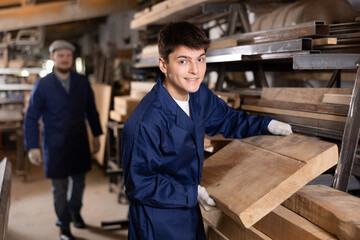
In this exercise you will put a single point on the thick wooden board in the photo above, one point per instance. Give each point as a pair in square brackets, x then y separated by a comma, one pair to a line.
[283, 224]
[102, 94]
[301, 95]
[229, 229]
[249, 178]
[335, 211]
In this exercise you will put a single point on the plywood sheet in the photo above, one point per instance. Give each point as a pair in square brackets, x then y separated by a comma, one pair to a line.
[333, 210]
[249, 178]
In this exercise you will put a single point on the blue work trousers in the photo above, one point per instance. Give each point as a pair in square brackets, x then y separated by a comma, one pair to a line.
[67, 197]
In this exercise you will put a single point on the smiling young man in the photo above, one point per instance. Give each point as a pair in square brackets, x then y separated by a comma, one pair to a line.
[163, 140]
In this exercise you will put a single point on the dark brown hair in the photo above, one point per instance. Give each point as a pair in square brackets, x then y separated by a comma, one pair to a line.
[178, 34]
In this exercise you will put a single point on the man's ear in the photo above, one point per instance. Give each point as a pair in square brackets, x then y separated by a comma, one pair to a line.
[162, 65]
[52, 56]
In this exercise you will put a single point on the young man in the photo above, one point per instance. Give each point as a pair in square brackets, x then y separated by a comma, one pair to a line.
[163, 140]
[63, 100]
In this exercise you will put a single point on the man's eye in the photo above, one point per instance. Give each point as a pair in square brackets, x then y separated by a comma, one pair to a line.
[201, 60]
[182, 61]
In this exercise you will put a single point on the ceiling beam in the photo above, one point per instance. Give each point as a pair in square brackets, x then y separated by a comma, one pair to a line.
[35, 15]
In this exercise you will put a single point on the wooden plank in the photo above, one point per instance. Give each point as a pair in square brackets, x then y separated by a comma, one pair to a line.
[293, 113]
[335, 211]
[61, 11]
[176, 11]
[126, 101]
[224, 43]
[5, 195]
[283, 224]
[102, 94]
[228, 228]
[324, 41]
[139, 89]
[249, 178]
[301, 95]
[343, 99]
[312, 122]
[306, 107]
[117, 116]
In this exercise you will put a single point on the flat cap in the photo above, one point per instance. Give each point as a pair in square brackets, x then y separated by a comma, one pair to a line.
[60, 44]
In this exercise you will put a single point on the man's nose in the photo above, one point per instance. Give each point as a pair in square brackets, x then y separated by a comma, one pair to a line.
[194, 68]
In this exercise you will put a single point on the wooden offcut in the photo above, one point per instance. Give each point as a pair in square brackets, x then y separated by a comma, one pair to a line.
[335, 211]
[249, 178]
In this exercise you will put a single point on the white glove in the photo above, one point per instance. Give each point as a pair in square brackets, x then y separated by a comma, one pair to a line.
[35, 156]
[96, 144]
[279, 128]
[205, 201]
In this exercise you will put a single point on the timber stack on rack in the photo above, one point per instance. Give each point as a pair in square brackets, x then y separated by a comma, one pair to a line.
[125, 105]
[314, 111]
[277, 205]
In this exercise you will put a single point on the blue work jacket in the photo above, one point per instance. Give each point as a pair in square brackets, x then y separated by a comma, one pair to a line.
[65, 145]
[163, 154]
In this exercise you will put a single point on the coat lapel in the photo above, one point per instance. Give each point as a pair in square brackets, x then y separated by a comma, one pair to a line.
[182, 120]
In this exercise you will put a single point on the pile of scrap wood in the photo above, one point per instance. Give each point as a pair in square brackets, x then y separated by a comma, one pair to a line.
[258, 184]
[125, 105]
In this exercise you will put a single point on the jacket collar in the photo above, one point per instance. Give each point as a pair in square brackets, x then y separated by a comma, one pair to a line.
[171, 107]
[73, 83]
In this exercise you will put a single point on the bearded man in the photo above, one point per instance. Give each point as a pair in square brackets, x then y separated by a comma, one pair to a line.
[63, 100]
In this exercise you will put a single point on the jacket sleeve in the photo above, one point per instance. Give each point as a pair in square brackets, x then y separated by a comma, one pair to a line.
[220, 118]
[92, 114]
[145, 182]
[31, 118]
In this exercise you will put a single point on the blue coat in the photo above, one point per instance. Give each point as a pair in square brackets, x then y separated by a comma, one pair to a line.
[163, 153]
[65, 146]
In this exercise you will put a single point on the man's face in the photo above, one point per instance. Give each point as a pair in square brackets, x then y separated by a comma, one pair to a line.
[63, 60]
[184, 72]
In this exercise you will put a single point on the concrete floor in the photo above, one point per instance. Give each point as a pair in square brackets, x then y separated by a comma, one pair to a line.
[32, 215]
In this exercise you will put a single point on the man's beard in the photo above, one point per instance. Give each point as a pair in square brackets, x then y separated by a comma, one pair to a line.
[63, 70]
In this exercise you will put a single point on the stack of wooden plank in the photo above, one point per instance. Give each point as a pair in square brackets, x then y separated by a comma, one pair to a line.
[323, 109]
[258, 185]
[125, 105]
[313, 212]
[348, 38]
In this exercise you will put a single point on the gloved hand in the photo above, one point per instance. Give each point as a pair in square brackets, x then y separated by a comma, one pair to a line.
[279, 128]
[96, 144]
[35, 156]
[205, 201]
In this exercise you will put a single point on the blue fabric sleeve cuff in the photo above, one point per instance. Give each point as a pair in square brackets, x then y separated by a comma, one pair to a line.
[192, 196]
